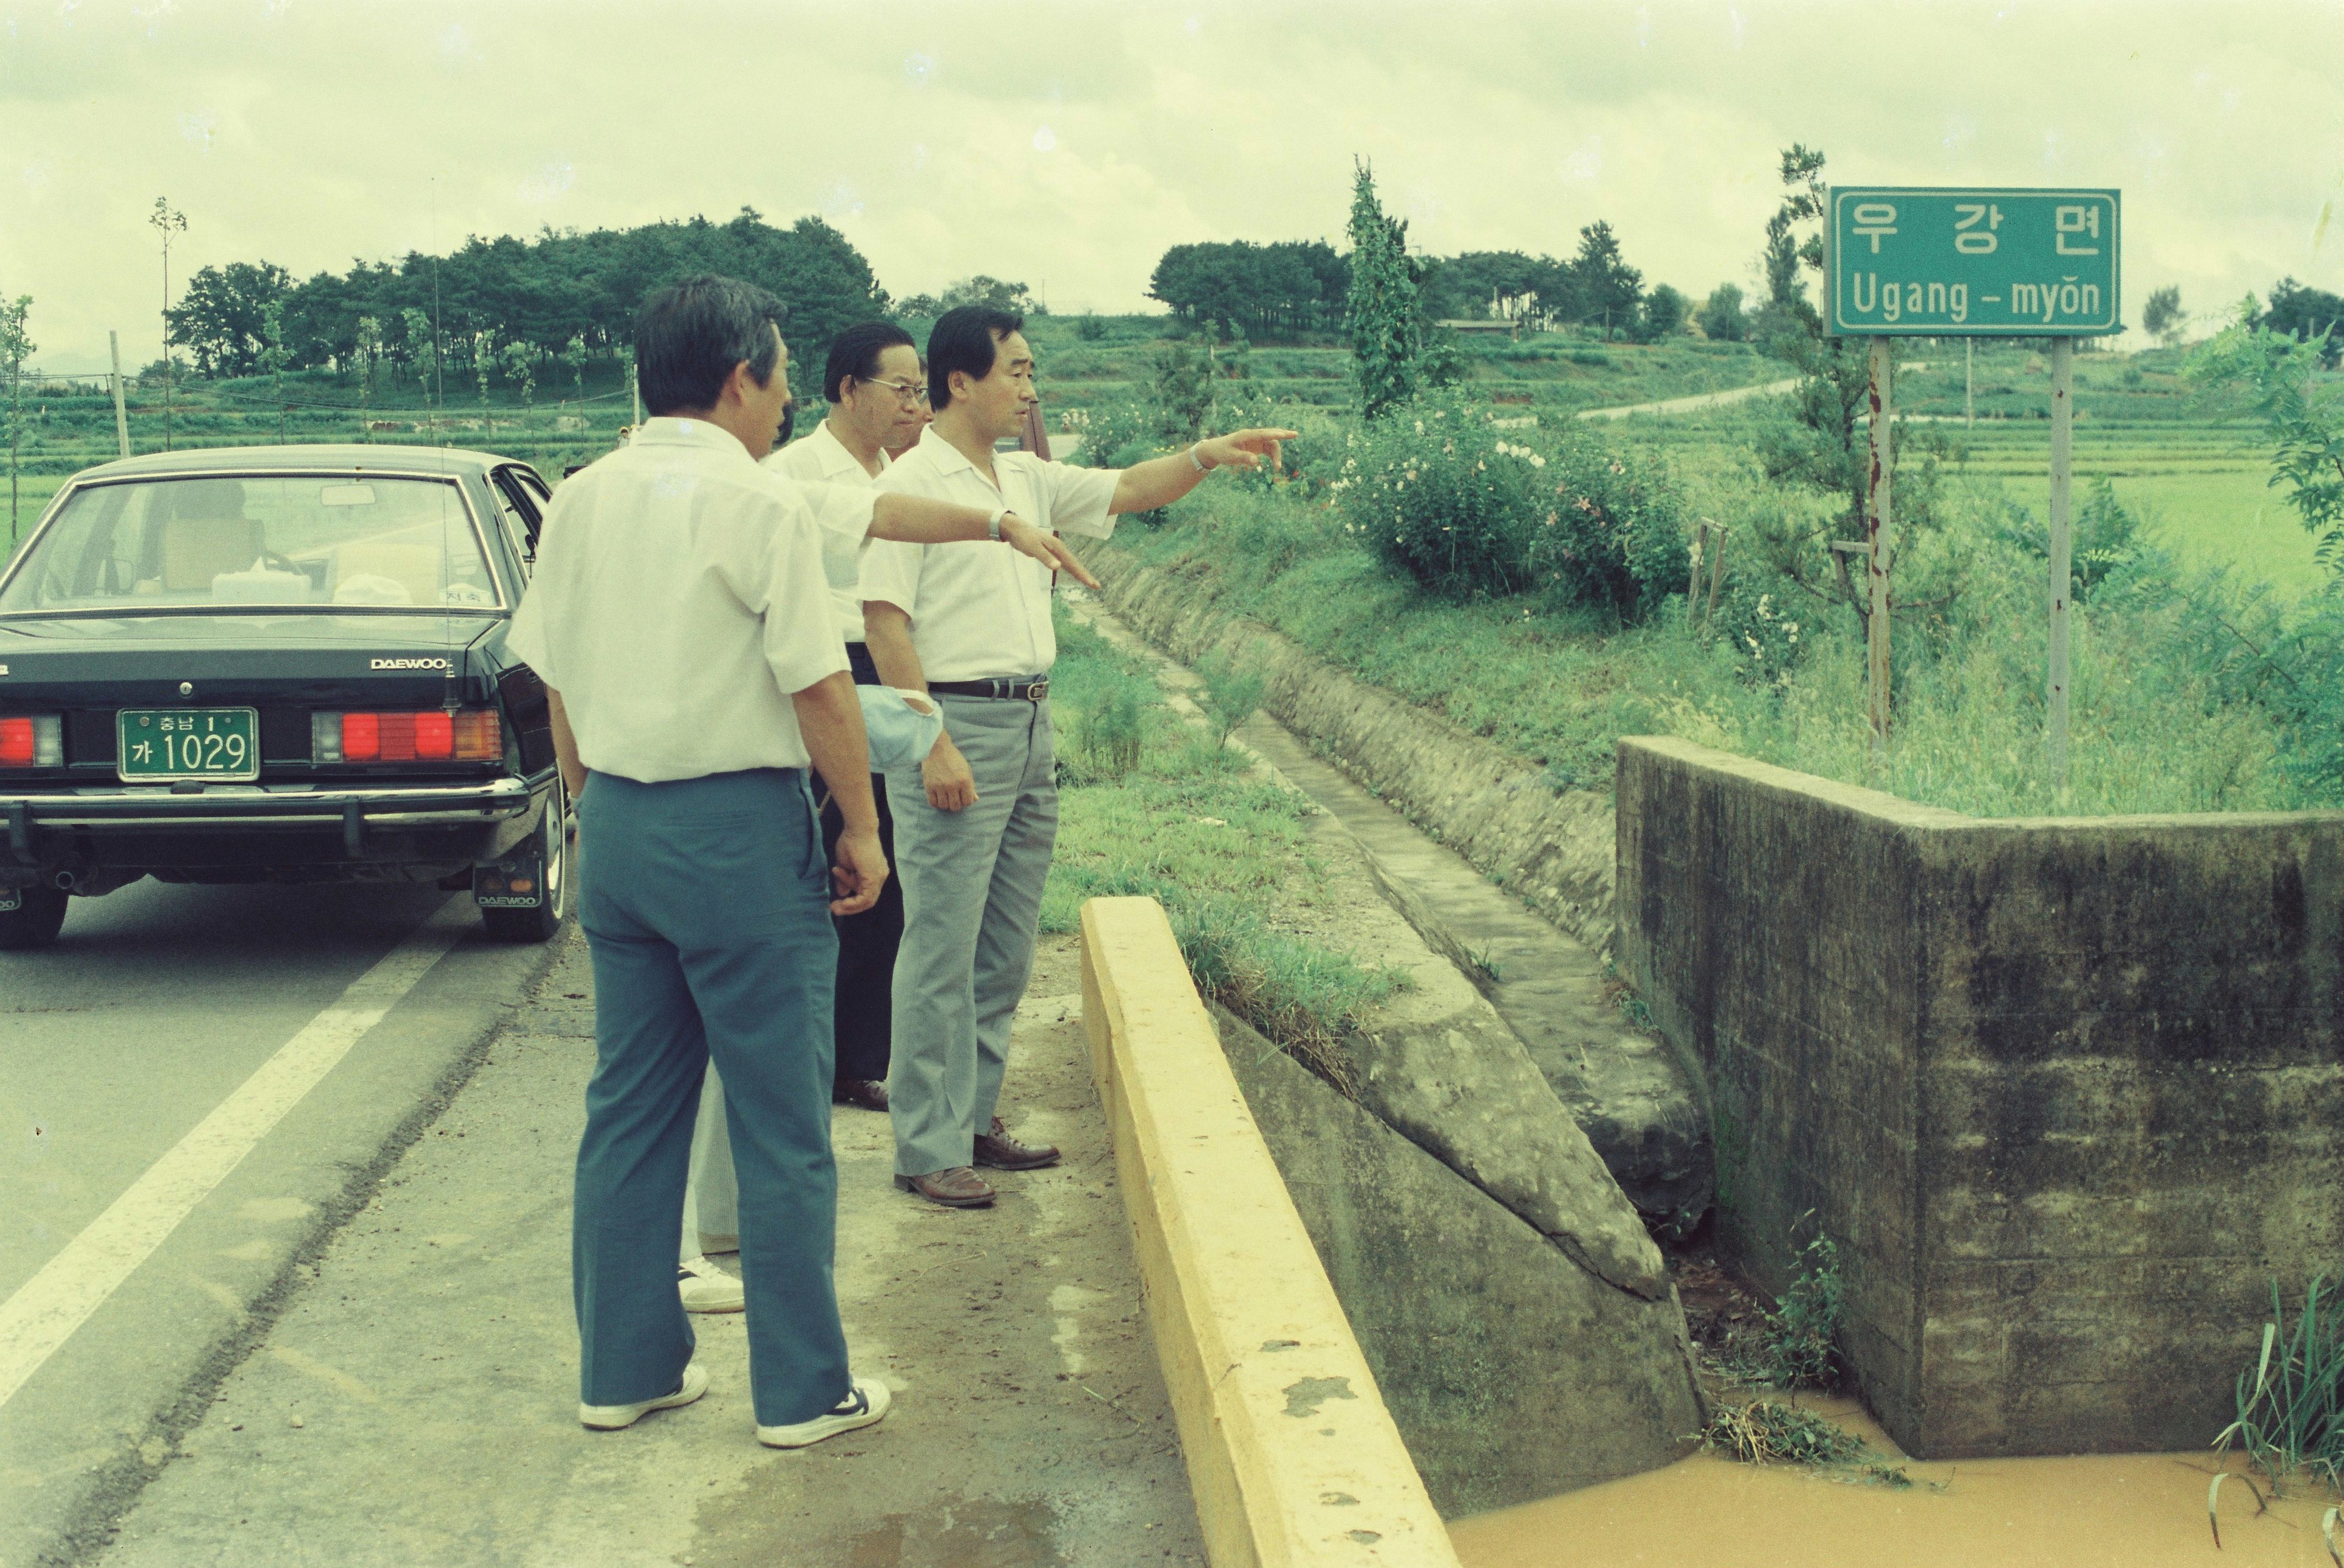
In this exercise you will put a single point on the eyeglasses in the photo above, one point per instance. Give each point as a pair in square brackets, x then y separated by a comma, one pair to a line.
[905, 392]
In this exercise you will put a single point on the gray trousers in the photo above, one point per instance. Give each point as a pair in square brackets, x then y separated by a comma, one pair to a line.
[711, 1199]
[972, 895]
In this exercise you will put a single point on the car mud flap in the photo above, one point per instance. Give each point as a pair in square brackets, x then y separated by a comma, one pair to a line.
[515, 882]
[354, 830]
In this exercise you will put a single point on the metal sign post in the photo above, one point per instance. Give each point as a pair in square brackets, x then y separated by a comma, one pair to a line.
[121, 415]
[1923, 262]
[1877, 526]
[2063, 451]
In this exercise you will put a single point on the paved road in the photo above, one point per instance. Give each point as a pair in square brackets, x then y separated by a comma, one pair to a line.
[196, 1084]
[414, 1403]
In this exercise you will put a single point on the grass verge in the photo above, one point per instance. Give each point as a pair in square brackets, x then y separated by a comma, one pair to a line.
[1151, 805]
[1559, 687]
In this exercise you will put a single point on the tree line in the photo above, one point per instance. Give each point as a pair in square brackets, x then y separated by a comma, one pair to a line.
[513, 303]
[1290, 289]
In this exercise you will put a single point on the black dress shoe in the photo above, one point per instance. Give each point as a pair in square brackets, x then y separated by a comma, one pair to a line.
[868, 1093]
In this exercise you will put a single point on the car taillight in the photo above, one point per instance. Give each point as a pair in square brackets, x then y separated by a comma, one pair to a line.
[38, 742]
[470, 736]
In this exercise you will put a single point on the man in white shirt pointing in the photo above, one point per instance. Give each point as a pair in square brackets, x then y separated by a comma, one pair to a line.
[975, 825]
[680, 617]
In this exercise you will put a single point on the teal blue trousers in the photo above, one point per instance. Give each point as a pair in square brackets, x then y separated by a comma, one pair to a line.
[706, 908]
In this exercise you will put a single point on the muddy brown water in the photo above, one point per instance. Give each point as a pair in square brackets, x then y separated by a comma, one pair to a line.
[2122, 1511]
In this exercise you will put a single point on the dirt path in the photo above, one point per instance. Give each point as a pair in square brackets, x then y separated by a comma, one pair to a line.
[1686, 405]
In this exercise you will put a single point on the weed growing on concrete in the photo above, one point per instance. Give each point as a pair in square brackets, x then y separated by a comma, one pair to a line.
[1632, 1007]
[1765, 1431]
[1489, 968]
[2292, 1407]
[1802, 1330]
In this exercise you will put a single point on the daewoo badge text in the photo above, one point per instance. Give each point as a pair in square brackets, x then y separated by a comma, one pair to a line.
[408, 664]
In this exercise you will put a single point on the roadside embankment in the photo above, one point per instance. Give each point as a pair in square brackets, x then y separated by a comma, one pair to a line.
[1552, 849]
[1636, 1099]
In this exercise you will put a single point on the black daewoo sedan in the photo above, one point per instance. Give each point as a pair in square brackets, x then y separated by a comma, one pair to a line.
[278, 664]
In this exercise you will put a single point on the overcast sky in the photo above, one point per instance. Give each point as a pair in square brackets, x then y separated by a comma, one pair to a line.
[1066, 146]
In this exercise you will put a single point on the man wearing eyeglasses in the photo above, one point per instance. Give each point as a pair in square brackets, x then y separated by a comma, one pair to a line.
[976, 825]
[877, 399]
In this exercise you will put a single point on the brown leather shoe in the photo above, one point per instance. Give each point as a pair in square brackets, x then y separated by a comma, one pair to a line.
[959, 1187]
[868, 1093]
[1003, 1152]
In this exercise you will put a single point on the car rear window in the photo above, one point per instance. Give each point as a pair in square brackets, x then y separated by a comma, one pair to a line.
[257, 542]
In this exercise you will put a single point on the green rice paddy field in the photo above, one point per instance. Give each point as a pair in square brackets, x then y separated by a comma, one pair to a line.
[2211, 504]
[2195, 474]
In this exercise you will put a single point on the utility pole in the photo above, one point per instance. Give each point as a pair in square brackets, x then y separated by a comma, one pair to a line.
[121, 414]
[2062, 454]
[15, 346]
[166, 222]
[1969, 383]
[1877, 530]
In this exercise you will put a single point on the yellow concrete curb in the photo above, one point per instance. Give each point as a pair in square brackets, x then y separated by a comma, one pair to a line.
[1292, 1455]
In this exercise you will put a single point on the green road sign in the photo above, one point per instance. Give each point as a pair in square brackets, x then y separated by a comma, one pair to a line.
[1939, 262]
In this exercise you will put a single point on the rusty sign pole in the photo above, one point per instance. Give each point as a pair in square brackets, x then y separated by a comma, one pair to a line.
[2063, 451]
[121, 415]
[1878, 522]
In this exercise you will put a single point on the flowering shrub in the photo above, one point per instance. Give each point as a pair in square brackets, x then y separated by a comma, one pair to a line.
[1468, 509]
[1763, 630]
[1116, 435]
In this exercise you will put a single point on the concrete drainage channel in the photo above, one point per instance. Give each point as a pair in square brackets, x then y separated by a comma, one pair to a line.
[1640, 1101]
[1516, 1314]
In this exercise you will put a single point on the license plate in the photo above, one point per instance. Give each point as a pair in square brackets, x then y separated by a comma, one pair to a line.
[221, 743]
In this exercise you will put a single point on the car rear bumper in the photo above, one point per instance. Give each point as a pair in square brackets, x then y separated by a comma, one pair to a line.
[265, 824]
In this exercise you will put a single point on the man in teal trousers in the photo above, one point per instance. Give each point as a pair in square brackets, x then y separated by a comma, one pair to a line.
[679, 616]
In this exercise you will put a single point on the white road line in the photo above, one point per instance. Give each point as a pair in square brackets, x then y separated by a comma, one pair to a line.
[48, 1308]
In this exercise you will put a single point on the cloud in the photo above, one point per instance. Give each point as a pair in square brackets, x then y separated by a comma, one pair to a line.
[1069, 144]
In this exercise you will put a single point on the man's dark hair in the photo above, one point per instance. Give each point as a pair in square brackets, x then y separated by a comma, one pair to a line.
[690, 335]
[965, 339]
[856, 352]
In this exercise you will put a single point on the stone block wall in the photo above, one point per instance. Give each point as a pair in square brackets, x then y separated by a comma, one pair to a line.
[2069, 1093]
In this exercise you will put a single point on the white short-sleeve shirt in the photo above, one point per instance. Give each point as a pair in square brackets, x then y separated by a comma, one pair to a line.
[678, 601]
[981, 610]
[821, 457]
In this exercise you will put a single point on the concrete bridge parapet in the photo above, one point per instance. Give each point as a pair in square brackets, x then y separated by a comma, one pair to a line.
[2069, 1093]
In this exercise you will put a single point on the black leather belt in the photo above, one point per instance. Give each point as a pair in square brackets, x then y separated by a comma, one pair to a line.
[1012, 691]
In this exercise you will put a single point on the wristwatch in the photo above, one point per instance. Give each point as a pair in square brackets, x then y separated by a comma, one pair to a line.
[993, 524]
[1201, 465]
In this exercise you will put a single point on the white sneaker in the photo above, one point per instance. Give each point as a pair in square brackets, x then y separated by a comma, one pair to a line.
[706, 1288]
[610, 1418]
[866, 1402]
